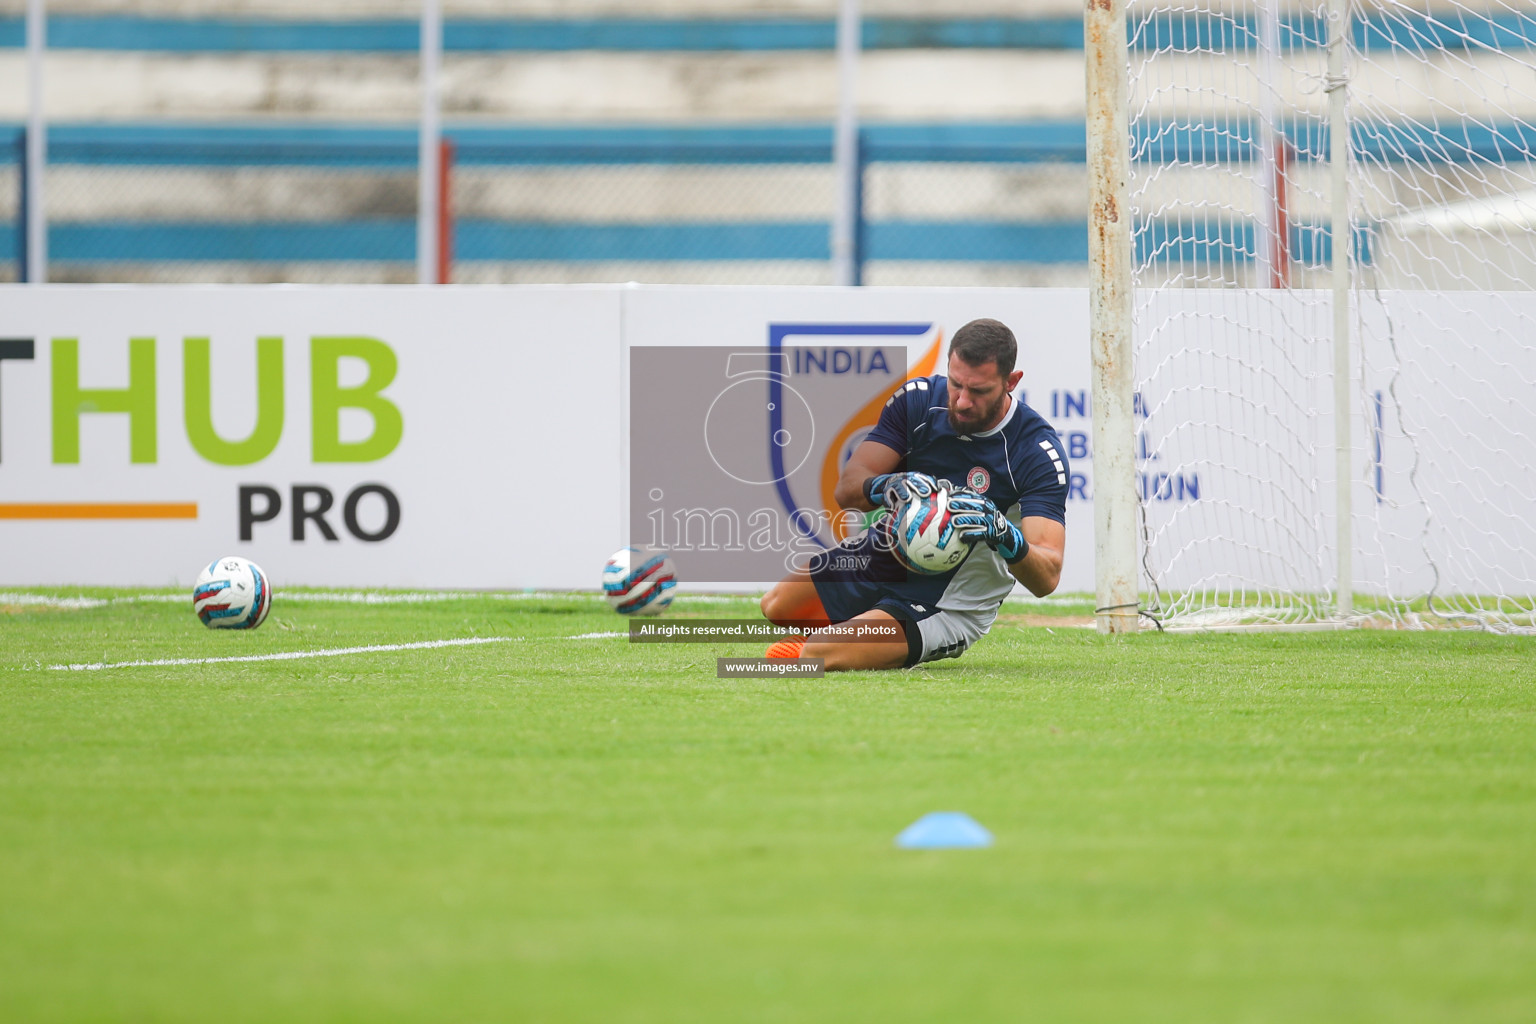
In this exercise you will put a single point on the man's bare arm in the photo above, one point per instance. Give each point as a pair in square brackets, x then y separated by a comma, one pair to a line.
[870, 458]
[1040, 568]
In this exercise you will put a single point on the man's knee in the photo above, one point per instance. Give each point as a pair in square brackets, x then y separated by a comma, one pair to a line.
[780, 605]
[772, 602]
[793, 600]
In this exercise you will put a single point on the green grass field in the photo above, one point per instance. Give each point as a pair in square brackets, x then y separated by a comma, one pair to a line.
[1281, 827]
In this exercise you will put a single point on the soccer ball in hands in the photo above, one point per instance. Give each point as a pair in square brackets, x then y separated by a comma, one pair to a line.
[639, 581]
[232, 593]
[924, 539]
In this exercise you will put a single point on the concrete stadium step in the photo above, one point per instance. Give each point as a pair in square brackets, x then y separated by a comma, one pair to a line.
[589, 87]
[557, 88]
[647, 194]
[622, 194]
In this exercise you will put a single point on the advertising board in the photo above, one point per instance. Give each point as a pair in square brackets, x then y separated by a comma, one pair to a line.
[466, 437]
[339, 436]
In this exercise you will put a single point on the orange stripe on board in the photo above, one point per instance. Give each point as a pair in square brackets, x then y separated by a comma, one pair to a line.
[99, 510]
[866, 417]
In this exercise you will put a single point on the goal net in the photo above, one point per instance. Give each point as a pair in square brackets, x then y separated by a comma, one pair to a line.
[1238, 203]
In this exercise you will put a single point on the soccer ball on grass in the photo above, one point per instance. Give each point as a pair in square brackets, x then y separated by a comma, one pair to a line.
[639, 581]
[232, 593]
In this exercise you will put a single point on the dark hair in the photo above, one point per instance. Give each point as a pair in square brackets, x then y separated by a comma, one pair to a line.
[986, 341]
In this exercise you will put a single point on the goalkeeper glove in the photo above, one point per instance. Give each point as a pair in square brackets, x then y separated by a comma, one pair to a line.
[976, 518]
[891, 489]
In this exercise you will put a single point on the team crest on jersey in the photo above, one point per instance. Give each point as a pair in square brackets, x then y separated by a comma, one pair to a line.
[978, 479]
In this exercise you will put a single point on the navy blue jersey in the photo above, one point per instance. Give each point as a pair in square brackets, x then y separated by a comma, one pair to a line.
[1019, 463]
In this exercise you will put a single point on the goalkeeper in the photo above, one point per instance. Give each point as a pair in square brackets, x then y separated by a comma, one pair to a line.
[965, 431]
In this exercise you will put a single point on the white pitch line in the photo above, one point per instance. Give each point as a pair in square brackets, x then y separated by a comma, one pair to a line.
[295, 597]
[332, 652]
[73, 603]
[428, 597]
[345, 597]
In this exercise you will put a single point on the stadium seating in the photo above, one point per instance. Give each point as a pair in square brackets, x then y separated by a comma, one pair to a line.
[666, 140]
[677, 141]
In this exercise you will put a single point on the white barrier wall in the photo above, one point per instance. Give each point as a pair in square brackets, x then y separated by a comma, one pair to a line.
[401, 437]
[489, 415]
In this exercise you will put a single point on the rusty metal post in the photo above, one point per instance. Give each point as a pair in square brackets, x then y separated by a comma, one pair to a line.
[1109, 296]
[445, 210]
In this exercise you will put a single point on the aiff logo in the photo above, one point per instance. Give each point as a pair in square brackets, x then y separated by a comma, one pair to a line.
[834, 361]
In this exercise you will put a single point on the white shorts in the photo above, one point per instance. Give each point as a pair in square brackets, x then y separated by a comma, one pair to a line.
[934, 634]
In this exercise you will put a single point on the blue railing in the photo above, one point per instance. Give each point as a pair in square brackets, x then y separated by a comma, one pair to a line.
[395, 149]
[511, 35]
[213, 145]
[1415, 31]
[1041, 241]
[1016, 142]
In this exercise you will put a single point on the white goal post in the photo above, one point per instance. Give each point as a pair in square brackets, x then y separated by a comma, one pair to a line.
[1323, 291]
[1109, 253]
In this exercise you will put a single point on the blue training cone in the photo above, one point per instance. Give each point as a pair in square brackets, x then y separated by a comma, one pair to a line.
[944, 830]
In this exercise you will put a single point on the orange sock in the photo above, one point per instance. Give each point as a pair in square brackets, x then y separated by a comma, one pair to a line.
[789, 648]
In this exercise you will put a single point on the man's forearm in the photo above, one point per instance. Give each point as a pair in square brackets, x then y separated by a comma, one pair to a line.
[849, 492]
[1039, 570]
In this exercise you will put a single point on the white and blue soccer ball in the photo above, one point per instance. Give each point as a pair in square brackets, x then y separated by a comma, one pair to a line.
[925, 538]
[639, 581]
[232, 593]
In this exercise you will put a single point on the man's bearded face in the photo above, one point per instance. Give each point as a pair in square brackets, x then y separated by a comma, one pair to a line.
[976, 396]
